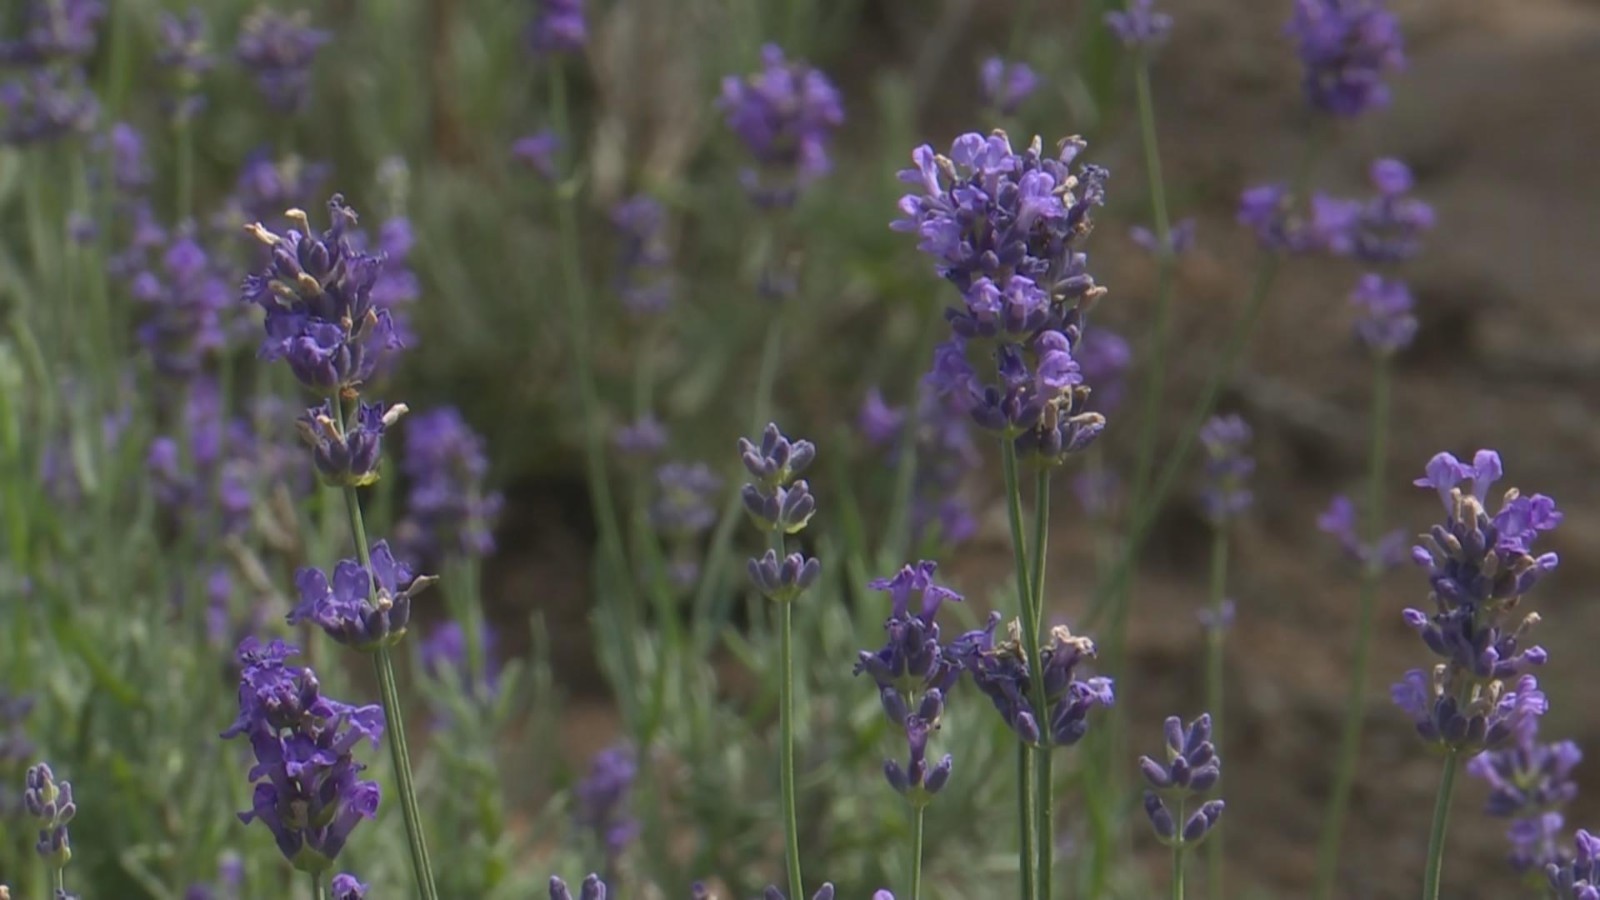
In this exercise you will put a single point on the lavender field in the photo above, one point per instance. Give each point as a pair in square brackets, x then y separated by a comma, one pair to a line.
[486, 450]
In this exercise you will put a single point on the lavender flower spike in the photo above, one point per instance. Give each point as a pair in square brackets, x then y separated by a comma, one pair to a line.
[1006, 86]
[49, 803]
[1347, 48]
[558, 26]
[346, 887]
[602, 800]
[1385, 322]
[1578, 878]
[1141, 26]
[785, 114]
[308, 790]
[1228, 467]
[348, 456]
[1191, 769]
[450, 512]
[280, 48]
[777, 500]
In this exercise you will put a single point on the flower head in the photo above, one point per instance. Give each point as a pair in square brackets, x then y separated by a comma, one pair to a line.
[49, 803]
[54, 30]
[1339, 522]
[46, 105]
[365, 607]
[308, 790]
[785, 115]
[1191, 769]
[1347, 48]
[1006, 86]
[1141, 26]
[558, 26]
[593, 889]
[601, 800]
[346, 887]
[279, 49]
[538, 152]
[1527, 777]
[641, 439]
[1384, 320]
[184, 52]
[644, 280]
[347, 454]
[1001, 670]
[317, 294]
[185, 297]
[1228, 468]
[1578, 878]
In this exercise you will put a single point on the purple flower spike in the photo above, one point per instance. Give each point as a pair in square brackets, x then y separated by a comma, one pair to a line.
[558, 27]
[1228, 468]
[1347, 48]
[46, 105]
[1578, 878]
[1001, 672]
[308, 790]
[1006, 86]
[915, 580]
[1180, 239]
[601, 800]
[348, 456]
[1384, 321]
[641, 438]
[49, 803]
[1141, 26]
[592, 889]
[54, 30]
[644, 278]
[279, 49]
[785, 115]
[1191, 769]
[361, 608]
[538, 152]
[1339, 522]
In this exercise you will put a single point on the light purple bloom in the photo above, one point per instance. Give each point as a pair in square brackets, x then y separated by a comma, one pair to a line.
[1141, 26]
[538, 152]
[642, 438]
[1339, 522]
[1191, 769]
[279, 50]
[785, 115]
[602, 798]
[1006, 86]
[46, 105]
[1347, 48]
[1228, 468]
[558, 26]
[1180, 238]
[1384, 320]
[449, 509]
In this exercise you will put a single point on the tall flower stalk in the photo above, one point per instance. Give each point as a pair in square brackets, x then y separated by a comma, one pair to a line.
[780, 503]
[317, 294]
[1191, 769]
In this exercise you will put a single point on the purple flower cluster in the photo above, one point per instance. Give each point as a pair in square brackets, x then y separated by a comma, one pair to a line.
[308, 788]
[279, 49]
[316, 292]
[945, 456]
[54, 30]
[267, 186]
[785, 115]
[825, 892]
[914, 673]
[1006, 86]
[444, 655]
[1384, 320]
[449, 511]
[1192, 768]
[346, 887]
[186, 297]
[1386, 227]
[186, 55]
[206, 472]
[364, 606]
[1180, 238]
[1338, 521]
[1228, 468]
[230, 880]
[640, 439]
[348, 455]
[1346, 47]
[49, 803]
[1530, 782]
[777, 499]
[1479, 567]
[1001, 672]
[538, 152]
[1577, 878]
[644, 279]
[1003, 227]
[558, 26]
[45, 105]
[1141, 26]
[601, 801]
[1103, 358]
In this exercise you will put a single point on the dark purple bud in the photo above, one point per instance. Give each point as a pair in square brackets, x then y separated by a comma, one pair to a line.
[1160, 817]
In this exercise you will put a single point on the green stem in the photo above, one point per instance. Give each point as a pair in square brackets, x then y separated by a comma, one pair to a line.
[58, 882]
[1177, 868]
[916, 851]
[1043, 759]
[185, 165]
[791, 817]
[383, 661]
[1215, 695]
[1025, 820]
[1030, 642]
[319, 886]
[1355, 704]
[1441, 819]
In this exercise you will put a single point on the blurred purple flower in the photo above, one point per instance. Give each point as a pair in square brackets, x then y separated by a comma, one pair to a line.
[1220, 619]
[1141, 26]
[1006, 86]
[279, 49]
[642, 438]
[785, 114]
[185, 53]
[346, 887]
[1180, 238]
[46, 105]
[186, 297]
[1228, 468]
[1339, 522]
[1386, 228]
[1577, 877]
[1347, 48]
[601, 801]
[54, 30]
[558, 26]
[684, 505]
[1104, 357]
[449, 512]
[593, 889]
[1384, 320]
[538, 152]
[308, 790]
[644, 278]
[879, 423]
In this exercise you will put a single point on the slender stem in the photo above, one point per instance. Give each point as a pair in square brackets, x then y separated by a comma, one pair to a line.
[1355, 704]
[1177, 869]
[1030, 640]
[916, 850]
[1215, 695]
[185, 165]
[1441, 819]
[58, 882]
[1025, 820]
[383, 661]
[1044, 777]
[791, 817]
[319, 887]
